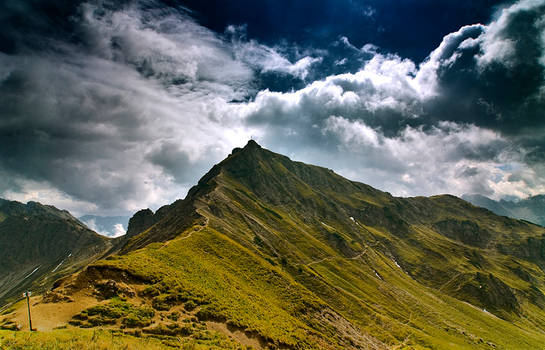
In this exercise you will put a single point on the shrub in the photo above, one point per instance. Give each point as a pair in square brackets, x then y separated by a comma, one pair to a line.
[164, 302]
[174, 316]
[131, 315]
[190, 305]
[134, 321]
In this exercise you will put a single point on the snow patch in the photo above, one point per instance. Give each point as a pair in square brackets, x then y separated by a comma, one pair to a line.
[36, 269]
[357, 223]
[326, 225]
[55, 269]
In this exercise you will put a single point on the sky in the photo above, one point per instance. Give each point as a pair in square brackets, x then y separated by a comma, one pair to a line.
[107, 107]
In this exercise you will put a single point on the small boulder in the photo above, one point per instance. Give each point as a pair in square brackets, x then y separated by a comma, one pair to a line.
[107, 289]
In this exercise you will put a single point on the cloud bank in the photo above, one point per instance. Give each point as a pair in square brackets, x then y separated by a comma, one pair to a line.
[138, 100]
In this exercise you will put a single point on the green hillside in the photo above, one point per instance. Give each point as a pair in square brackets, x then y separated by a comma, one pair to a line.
[295, 256]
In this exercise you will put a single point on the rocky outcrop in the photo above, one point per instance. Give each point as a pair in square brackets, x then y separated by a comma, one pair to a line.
[140, 221]
[465, 231]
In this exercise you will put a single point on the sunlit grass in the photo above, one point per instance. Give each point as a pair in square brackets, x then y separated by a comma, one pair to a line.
[96, 339]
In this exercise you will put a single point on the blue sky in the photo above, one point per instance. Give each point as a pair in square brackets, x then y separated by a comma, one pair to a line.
[407, 27]
[108, 107]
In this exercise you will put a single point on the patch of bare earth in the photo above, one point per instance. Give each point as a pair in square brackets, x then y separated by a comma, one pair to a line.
[47, 316]
[69, 297]
[349, 336]
[236, 334]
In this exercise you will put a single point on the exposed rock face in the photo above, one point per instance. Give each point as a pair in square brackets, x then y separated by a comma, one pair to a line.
[140, 221]
[465, 231]
[486, 291]
[56, 297]
[107, 289]
[145, 218]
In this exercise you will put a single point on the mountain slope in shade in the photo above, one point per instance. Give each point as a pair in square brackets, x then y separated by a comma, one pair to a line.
[279, 254]
[531, 209]
[39, 244]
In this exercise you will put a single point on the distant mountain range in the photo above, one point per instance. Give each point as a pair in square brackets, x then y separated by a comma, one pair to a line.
[276, 254]
[111, 226]
[531, 209]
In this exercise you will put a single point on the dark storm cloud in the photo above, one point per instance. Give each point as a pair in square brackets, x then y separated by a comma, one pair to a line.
[499, 89]
[173, 160]
[55, 129]
[121, 105]
[82, 119]
[126, 108]
[469, 172]
[497, 79]
[25, 24]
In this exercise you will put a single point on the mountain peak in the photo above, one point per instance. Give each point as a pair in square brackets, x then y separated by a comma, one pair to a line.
[252, 144]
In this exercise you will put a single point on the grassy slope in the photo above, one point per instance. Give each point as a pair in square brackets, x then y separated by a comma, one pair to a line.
[233, 283]
[101, 340]
[306, 259]
[253, 294]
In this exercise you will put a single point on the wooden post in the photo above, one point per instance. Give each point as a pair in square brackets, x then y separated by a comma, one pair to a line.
[27, 294]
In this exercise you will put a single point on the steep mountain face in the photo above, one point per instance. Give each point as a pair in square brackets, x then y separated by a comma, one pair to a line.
[144, 219]
[140, 221]
[39, 244]
[531, 209]
[294, 256]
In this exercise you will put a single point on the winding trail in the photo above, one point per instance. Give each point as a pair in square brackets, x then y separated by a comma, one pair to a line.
[359, 255]
[333, 257]
[190, 233]
[198, 230]
[319, 261]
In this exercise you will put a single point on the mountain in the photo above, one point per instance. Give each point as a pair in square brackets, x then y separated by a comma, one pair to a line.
[111, 226]
[271, 253]
[39, 244]
[531, 209]
[145, 218]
